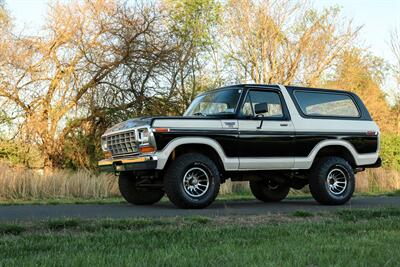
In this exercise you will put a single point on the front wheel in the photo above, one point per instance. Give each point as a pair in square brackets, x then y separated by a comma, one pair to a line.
[192, 181]
[134, 195]
[269, 190]
[332, 181]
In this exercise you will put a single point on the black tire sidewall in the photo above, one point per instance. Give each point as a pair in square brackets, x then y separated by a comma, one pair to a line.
[173, 180]
[129, 191]
[319, 187]
[262, 192]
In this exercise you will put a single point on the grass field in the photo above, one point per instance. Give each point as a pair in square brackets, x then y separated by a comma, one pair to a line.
[345, 238]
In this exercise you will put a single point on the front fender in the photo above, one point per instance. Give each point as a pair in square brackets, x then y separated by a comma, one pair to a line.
[163, 155]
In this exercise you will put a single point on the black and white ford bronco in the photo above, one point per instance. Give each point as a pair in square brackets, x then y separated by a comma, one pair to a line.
[276, 137]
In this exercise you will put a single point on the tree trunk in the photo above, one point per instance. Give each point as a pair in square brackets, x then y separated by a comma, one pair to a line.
[52, 156]
[47, 164]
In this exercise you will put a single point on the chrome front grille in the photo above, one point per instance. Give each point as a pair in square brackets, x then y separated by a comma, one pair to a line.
[122, 143]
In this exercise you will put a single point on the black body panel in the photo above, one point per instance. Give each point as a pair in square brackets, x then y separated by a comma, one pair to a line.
[265, 144]
[270, 144]
[305, 142]
[228, 139]
[363, 144]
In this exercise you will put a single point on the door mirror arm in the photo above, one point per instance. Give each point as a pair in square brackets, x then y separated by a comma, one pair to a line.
[261, 122]
[259, 109]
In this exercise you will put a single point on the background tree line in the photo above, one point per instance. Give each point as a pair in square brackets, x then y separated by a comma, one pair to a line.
[98, 62]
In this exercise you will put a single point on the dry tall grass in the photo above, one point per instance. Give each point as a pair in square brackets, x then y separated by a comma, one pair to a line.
[378, 180]
[25, 184]
[370, 181]
[20, 183]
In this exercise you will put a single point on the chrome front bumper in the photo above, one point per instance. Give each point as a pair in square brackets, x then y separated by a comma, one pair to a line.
[128, 164]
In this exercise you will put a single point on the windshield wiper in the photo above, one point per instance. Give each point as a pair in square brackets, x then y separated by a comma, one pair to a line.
[224, 113]
[199, 114]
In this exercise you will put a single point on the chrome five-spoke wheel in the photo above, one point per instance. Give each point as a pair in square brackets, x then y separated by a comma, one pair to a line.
[337, 181]
[196, 182]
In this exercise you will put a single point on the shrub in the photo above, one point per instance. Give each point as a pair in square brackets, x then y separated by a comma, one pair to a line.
[390, 151]
[19, 153]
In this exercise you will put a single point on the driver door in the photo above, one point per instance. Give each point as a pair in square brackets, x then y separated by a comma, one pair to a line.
[266, 140]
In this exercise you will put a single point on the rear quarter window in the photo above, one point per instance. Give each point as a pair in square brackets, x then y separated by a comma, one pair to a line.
[325, 104]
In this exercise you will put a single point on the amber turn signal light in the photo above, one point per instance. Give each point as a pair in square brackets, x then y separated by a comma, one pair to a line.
[107, 154]
[161, 130]
[147, 149]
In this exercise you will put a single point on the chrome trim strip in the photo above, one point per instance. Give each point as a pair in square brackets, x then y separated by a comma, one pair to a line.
[106, 162]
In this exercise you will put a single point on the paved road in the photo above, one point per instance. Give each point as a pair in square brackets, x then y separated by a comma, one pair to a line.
[28, 212]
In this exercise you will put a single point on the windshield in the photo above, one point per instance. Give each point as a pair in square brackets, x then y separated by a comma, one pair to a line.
[215, 103]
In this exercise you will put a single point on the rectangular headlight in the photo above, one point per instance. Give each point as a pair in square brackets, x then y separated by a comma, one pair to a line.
[144, 135]
[104, 146]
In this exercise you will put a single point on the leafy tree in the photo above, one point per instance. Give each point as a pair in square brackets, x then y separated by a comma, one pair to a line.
[363, 74]
[395, 47]
[47, 80]
[192, 25]
[283, 41]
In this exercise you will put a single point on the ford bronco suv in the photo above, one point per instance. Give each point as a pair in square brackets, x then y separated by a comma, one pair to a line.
[276, 137]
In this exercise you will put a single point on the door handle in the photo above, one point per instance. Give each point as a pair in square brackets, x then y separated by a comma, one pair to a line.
[284, 124]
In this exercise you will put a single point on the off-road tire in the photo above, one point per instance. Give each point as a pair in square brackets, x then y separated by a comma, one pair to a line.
[319, 184]
[174, 185]
[263, 191]
[134, 195]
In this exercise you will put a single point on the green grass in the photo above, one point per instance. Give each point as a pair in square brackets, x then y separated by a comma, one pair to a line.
[11, 229]
[302, 213]
[394, 193]
[344, 238]
[62, 224]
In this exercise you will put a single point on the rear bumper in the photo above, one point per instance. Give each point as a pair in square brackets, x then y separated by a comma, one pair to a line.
[128, 164]
[377, 164]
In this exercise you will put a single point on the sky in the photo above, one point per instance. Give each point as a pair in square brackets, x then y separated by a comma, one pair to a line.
[378, 18]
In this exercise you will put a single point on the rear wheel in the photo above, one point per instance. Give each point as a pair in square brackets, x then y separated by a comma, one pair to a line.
[332, 181]
[136, 195]
[269, 190]
[192, 181]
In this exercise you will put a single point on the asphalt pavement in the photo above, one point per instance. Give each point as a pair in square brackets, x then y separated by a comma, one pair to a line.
[166, 209]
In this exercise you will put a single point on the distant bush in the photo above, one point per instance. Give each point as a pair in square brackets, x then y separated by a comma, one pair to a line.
[390, 151]
[82, 151]
[17, 153]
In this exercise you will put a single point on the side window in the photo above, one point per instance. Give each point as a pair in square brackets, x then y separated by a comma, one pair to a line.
[326, 104]
[255, 97]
